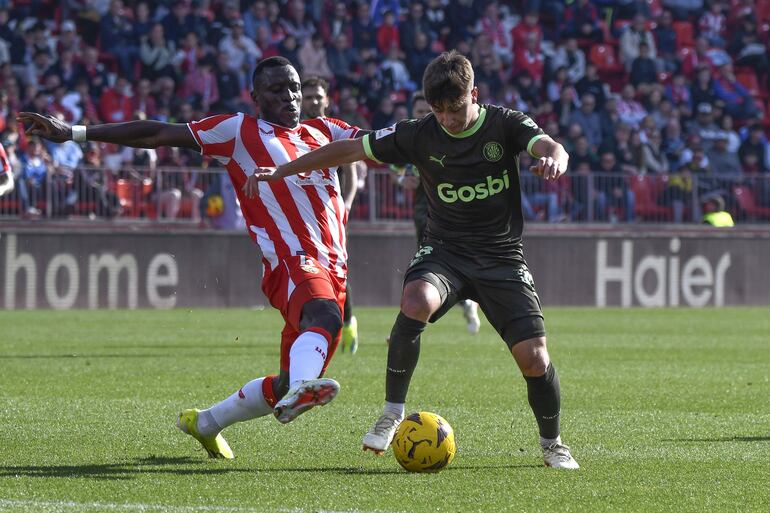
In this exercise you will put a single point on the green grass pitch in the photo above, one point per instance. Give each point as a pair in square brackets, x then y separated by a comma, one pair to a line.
[666, 411]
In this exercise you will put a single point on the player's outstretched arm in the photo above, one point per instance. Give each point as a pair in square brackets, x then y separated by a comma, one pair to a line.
[137, 134]
[330, 156]
[552, 159]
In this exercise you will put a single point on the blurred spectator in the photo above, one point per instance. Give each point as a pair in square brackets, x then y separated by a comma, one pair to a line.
[610, 119]
[749, 48]
[414, 24]
[666, 41]
[438, 21]
[712, 24]
[733, 139]
[349, 113]
[115, 103]
[589, 120]
[387, 34]
[643, 68]
[486, 73]
[654, 159]
[570, 56]
[143, 100]
[383, 117]
[372, 86]
[491, 24]
[312, 58]
[714, 212]
[620, 198]
[66, 69]
[178, 23]
[530, 59]
[462, 18]
[581, 21]
[201, 87]
[228, 85]
[288, 48]
[31, 187]
[336, 23]
[343, 61]
[297, 23]
[363, 28]
[630, 111]
[632, 39]
[254, 18]
[673, 143]
[242, 52]
[590, 83]
[66, 159]
[678, 92]
[684, 9]
[116, 36]
[721, 160]
[702, 89]
[529, 27]
[394, 72]
[703, 126]
[756, 144]
[738, 101]
[158, 55]
[419, 58]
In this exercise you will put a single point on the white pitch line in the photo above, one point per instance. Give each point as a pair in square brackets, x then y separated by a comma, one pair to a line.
[66, 506]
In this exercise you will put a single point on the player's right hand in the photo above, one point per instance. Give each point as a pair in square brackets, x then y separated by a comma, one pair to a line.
[47, 127]
[261, 174]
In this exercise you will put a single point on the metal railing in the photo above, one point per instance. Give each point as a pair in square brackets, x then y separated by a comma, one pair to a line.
[181, 195]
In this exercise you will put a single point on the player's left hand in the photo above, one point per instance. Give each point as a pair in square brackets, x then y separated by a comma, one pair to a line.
[549, 168]
[261, 174]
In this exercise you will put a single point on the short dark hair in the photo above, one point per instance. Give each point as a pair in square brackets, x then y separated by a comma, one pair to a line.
[270, 62]
[447, 79]
[315, 81]
[418, 96]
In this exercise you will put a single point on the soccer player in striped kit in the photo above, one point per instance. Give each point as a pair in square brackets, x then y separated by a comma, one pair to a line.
[298, 223]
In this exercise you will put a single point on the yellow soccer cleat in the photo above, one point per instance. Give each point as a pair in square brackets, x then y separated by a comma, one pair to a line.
[350, 336]
[215, 446]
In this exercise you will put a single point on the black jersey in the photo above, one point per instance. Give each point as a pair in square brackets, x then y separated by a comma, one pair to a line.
[471, 180]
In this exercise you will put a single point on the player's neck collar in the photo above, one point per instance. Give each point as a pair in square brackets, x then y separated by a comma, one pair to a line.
[470, 130]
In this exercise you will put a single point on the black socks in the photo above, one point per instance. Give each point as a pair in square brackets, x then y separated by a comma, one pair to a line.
[403, 353]
[544, 397]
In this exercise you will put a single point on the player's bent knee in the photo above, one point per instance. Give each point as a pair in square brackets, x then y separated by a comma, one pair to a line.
[531, 356]
[420, 300]
[321, 313]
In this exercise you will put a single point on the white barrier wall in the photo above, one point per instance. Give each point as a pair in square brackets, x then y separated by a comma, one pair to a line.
[100, 269]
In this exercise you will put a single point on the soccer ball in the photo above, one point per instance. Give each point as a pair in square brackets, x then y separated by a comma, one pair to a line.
[424, 442]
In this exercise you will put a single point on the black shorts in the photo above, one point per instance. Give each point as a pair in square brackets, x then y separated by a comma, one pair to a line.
[504, 291]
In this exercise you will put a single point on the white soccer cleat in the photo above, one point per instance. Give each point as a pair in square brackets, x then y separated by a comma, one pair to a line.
[471, 314]
[379, 437]
[302, 397]
[557, 455]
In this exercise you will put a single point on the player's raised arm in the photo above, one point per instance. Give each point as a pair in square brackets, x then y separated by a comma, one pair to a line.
[552, 158]
[326, 157]
[137, 134]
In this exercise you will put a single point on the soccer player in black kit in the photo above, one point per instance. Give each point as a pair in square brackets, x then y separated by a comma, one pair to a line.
[467, 156]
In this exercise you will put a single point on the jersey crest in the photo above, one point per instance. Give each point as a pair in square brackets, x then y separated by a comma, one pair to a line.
[493, 151]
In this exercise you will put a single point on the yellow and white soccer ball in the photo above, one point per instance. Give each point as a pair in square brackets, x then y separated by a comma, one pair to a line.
[424, 442]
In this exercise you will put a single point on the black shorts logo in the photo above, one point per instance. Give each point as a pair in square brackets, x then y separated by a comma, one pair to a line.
[420, 255]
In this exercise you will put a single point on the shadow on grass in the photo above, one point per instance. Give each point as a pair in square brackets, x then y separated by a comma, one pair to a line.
[723, 439]
[187, 465]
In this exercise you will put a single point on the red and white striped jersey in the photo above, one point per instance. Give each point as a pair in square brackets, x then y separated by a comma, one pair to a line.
[301, 214]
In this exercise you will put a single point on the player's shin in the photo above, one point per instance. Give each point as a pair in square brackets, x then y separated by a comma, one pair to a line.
[307, 357]
[245, 404]
[544, 397]
[403, 353]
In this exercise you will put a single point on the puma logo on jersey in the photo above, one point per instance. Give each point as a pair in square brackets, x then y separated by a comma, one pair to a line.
[440, 161]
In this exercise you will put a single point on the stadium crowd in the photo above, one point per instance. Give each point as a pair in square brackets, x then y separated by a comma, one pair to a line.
[661, 103]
